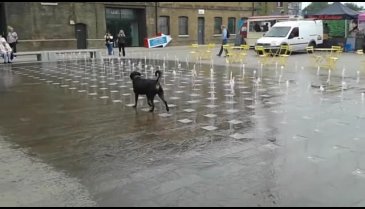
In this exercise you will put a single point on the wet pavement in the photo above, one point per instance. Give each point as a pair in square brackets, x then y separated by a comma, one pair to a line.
[235, 135]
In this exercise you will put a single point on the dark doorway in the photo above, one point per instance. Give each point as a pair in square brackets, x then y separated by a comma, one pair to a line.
[201, 30]
[81, 35]
[132, 21]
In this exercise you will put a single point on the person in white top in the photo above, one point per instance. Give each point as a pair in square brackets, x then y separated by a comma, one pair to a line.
[109, 43]
[5, 51]
[12, 38]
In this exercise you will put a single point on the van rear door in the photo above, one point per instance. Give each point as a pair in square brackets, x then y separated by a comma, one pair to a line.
[319, 31]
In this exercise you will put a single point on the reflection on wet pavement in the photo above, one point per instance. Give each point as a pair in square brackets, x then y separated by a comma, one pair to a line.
[233, 136]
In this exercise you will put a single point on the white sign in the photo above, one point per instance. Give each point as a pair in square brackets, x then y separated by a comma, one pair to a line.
[201, 11]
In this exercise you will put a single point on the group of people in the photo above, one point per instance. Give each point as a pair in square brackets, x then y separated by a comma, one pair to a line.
[121, 40]
[263, 28]
[8, 46]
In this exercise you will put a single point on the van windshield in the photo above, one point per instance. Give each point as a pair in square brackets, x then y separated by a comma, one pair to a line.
[278, 32]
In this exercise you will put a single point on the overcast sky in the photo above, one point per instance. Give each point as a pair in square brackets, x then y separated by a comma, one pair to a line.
[304, 4]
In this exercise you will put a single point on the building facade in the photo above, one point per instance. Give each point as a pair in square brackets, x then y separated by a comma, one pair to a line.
[80, 25]
[294, 8]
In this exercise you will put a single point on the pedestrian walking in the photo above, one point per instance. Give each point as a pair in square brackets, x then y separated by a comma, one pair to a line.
[224, 41]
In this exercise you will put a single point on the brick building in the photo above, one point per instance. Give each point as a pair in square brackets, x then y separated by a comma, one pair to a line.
[73, 25]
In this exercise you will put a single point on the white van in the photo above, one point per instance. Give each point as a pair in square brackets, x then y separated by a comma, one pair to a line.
[253, 34]
[298, 34]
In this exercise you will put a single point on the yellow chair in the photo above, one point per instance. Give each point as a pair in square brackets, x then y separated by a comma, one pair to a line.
[243, 52]
[336, 51]
[194, 50]
[236, 54]
[284, 53]
[331, 60]
[202, 49]
[245, 47]
[228, 52]
[316, 58]
[233, 55]
[206, 52]
[327, 61]
[262, 54]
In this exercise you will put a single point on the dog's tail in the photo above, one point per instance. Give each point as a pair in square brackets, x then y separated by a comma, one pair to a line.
[158, 74]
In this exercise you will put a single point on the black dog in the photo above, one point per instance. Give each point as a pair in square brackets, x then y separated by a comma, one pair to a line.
[148, 87]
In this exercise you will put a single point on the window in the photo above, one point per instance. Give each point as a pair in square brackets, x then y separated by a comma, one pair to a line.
[278, 32]
[294, 33]
[164, 25]
[280, 4]
[183, 25]
[232, 25]
[261, 25]
[255, 26]
[217, 25]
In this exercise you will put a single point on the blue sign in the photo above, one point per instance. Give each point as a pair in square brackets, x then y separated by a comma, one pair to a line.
[162, 40]
[158, 41]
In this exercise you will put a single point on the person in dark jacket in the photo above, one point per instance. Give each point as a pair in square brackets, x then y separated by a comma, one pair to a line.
[257, 27]
[121, 42]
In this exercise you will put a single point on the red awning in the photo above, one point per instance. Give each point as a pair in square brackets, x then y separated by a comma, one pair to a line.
[327, 17]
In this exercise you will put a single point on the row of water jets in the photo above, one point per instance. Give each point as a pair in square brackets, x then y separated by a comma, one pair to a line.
[87, 76]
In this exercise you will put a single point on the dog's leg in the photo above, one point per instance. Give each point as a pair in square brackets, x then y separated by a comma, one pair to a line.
[152, 106]
[150, 100]
[135, 99]
[160, 94]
